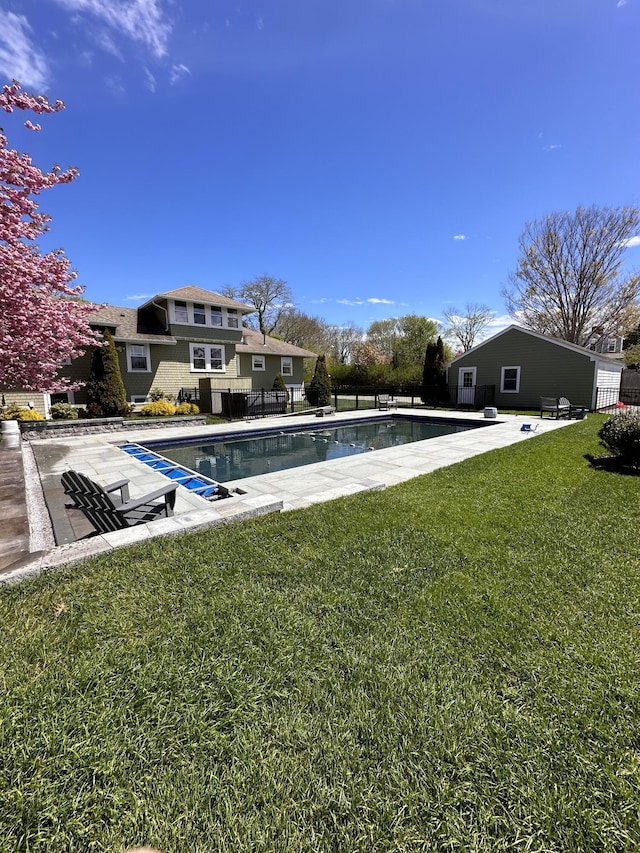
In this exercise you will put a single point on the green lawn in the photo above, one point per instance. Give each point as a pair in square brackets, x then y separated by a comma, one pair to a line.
[449, 665]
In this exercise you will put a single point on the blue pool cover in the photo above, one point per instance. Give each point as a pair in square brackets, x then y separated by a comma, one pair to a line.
[196, 483]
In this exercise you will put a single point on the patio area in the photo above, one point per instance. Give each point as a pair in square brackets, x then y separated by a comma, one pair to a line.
[33, 505]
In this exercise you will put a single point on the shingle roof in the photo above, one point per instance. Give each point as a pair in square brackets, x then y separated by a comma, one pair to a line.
[255, 342]
[132, 324]
[207, 297]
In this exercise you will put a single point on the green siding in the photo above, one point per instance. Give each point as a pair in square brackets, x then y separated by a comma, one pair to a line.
[546, 370]
[273, 363]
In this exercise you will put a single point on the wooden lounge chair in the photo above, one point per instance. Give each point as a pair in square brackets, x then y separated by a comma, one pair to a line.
[559, 406]
[385, 402]
[108, 511]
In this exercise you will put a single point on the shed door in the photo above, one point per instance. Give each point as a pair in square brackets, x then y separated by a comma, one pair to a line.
[466, 386]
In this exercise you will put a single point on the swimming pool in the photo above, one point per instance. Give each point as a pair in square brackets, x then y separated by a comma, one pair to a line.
[234, 456]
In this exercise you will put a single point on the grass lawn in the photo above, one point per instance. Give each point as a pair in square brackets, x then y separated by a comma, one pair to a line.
[450, 665]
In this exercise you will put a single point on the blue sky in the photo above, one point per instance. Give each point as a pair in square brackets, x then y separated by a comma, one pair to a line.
[381, 156]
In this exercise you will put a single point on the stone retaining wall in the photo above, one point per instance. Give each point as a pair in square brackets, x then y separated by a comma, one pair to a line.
[59, 429]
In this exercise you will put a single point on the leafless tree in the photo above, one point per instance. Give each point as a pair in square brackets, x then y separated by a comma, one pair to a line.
[269, 296]
[569, 282]
[464, 327]
[343, 340]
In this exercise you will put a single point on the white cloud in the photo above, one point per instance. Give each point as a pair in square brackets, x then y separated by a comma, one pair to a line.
[140, 20]
[632, 241]
[149, 80]
[260, 23]
[19, 58]
[136, 297]
[622, 3]
[459, 236]
[552, 147]
[177, 73]
[350, 301]
[375, 301]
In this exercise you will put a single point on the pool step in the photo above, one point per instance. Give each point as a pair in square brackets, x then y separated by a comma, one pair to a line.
[197, 484]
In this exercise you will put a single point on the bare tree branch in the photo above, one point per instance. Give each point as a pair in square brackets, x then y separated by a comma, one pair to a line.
[568, 282]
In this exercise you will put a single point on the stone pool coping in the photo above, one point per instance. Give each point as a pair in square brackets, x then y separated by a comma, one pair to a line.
[98, 456]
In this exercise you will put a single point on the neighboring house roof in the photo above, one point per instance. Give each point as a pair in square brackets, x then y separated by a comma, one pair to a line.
[132, 324]
[256, 343]
[206, 297]
[591, 354]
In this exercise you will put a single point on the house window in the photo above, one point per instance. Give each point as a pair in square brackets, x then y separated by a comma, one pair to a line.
[286, 366]
[181, 313]
[138, 358]
[199, 315]
[257, 362]
[232, 318]
[207, 358]
[611, 345]
[216, 316]
[510, 380]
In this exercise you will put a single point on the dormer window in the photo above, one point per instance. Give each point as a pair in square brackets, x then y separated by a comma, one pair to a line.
[216, 315]
[199, 315]
[232, 318]
[182, 315]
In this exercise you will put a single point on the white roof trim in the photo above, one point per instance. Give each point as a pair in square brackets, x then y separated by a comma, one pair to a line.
[591, 354]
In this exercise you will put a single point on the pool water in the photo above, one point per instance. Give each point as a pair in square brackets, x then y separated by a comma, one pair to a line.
[234, 458]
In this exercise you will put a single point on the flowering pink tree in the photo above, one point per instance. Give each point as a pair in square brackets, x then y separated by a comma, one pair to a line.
[42, 321]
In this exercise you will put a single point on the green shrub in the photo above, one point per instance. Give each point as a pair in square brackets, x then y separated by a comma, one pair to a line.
[30, 415]
[106, 395]
[12, 412]
[15, 413]
[319, 389]
[187, 409]
[621, 437]
[280, 385]
[159, 409]
[64, 412]
[157, 394]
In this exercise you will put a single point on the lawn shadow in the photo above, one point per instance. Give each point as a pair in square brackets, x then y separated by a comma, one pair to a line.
[613, 464]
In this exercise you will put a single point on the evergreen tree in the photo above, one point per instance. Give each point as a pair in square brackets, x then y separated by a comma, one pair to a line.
[319, 389]
[434, 374]
[280, 385]
[106, 395]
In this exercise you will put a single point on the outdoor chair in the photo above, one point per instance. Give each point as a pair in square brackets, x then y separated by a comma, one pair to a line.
[559, 406]
[321, 411]
[108, 511]
[386, 402]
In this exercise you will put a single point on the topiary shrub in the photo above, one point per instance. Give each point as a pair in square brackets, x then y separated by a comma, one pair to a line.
[621, 437]
[106, 395]
[63, 412]
[187, 409]
[280, 385]
[319, 389]
[159, 409]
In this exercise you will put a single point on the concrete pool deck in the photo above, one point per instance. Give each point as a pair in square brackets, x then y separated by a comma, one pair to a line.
[34, 495]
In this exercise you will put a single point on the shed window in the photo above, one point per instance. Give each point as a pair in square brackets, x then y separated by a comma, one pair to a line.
[510, 380]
